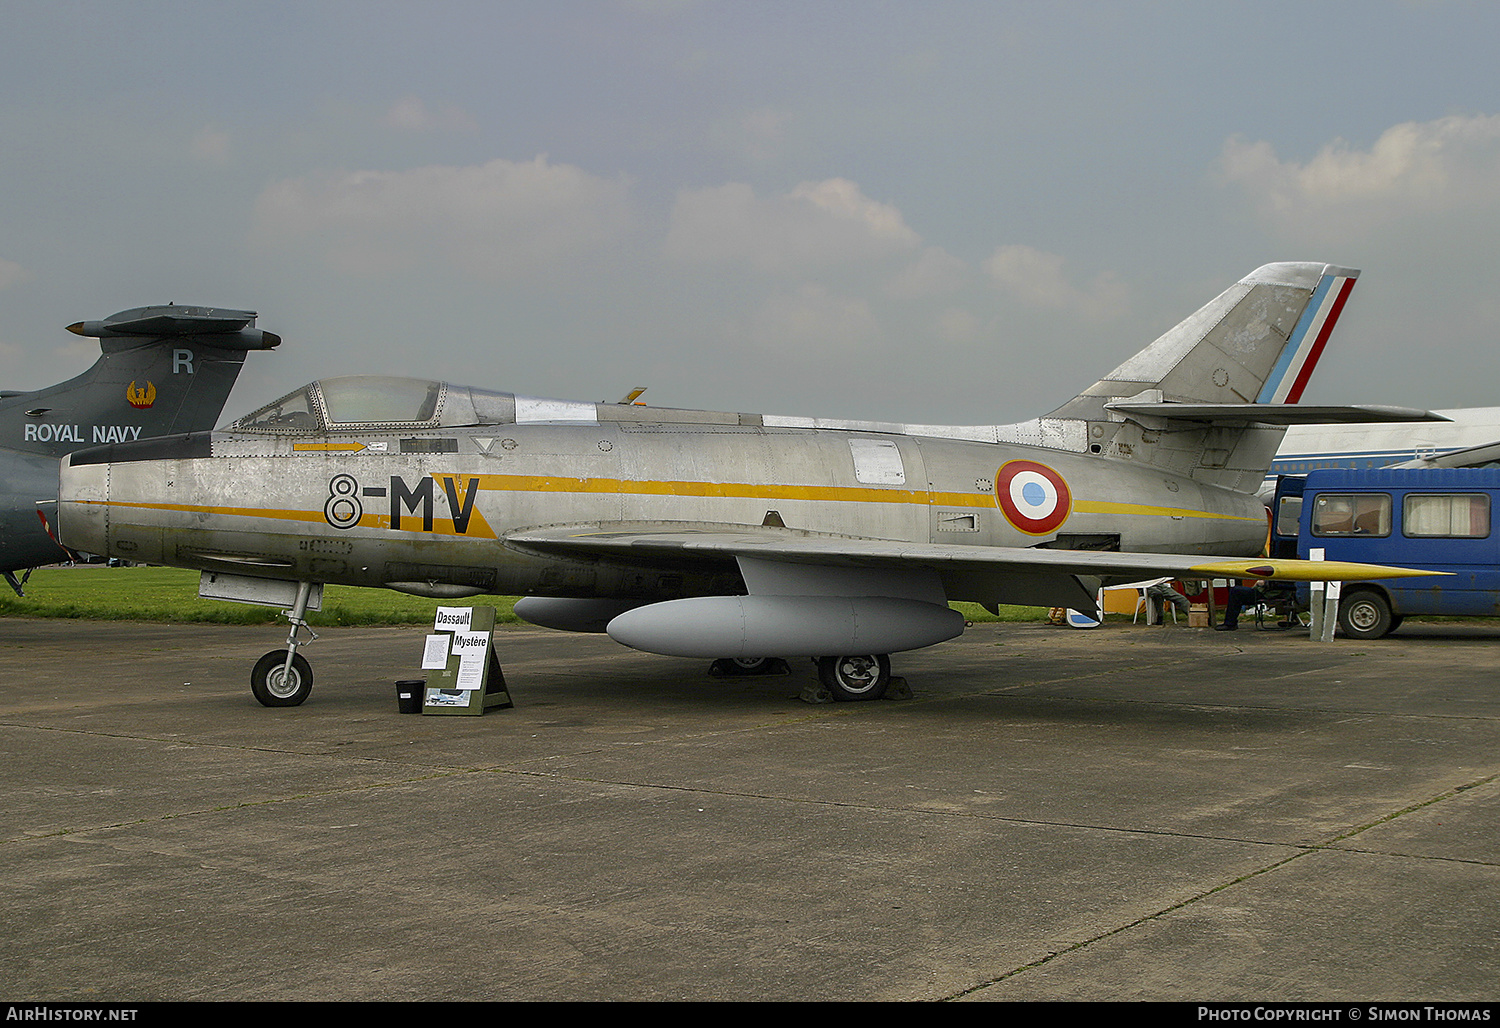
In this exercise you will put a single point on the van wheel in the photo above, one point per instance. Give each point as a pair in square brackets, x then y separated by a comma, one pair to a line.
[1365, 615]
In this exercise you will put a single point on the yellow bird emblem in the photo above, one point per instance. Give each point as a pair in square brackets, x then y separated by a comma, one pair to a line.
[140, 398]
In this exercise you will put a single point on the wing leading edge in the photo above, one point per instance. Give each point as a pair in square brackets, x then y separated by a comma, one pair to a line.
[989, 574]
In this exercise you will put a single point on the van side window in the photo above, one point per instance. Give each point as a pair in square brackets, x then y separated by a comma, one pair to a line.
[1288, 515]
[1362, 514]
[1447, 515]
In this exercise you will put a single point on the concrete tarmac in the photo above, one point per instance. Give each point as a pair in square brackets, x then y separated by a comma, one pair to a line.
[1118, 814]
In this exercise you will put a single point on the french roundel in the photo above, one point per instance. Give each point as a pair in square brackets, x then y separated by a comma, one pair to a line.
[1033, 497]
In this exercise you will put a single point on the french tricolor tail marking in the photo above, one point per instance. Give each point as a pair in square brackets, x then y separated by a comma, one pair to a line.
[1295, 365]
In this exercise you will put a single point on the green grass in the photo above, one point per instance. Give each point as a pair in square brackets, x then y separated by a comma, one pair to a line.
[170, 594]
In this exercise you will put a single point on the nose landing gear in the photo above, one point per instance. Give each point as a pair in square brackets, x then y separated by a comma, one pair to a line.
[283, 678]
[277, 682]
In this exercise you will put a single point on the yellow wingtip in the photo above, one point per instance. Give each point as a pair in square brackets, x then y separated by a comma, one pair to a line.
[1307, 570]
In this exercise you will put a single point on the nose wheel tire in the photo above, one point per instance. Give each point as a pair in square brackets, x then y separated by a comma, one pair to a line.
[862, 677]
[274, 685]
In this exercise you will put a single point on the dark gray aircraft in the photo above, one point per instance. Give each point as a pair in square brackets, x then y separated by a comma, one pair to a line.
[163, 370]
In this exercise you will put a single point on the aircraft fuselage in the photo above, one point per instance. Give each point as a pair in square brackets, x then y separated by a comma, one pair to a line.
[430, 511]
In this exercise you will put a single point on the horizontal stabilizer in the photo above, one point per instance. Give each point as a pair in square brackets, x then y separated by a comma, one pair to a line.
[231, 328]
[1273, 413]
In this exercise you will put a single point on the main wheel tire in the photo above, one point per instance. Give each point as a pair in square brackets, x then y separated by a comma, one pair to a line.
[860, 677]
[1365, 615]
[274, 686]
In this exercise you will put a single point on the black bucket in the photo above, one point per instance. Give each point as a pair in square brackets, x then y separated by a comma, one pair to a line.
[409, 695]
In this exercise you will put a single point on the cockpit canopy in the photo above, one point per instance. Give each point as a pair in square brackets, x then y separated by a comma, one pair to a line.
[382, 404]
[362, 401]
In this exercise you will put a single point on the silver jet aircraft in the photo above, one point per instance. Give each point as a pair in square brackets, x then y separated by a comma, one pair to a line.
[743, 536]
[163, 369]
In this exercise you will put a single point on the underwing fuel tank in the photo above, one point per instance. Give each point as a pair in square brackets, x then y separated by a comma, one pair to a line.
[787, 626]
[571, 615]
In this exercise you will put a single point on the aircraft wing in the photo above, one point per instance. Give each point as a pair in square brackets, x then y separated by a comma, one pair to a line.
[1483, 455]
[984, 574]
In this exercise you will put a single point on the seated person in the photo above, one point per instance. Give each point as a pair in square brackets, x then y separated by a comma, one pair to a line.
[1281, 597]
[1161, 594]
[1275, 594]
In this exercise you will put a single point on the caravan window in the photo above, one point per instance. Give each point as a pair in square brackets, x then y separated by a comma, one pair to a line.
[1289, 516]
[1343, 514]
[1446, 515]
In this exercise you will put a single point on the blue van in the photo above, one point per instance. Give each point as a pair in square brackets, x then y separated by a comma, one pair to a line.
[1438, 519]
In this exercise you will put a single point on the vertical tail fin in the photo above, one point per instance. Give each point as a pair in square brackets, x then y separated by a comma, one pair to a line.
[1255, 343]
[163, 370]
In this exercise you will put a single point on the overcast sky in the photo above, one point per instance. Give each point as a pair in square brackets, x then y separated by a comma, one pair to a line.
[958, 212]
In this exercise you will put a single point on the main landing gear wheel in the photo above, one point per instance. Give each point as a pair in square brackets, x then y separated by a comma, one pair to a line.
[747, 667]
[274, 685]
[863, 677]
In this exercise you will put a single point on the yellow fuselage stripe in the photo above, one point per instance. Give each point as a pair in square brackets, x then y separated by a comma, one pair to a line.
[1105, 507]
[726, 490]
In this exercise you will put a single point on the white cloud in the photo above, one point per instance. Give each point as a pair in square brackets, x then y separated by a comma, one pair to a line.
[957, 325]
[495, 220]
[811, 320]
[1450, 164]
[816, 224]
[410, 114]
[842, 199]
[1037, 278]
[934, 273]
[12, 274]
